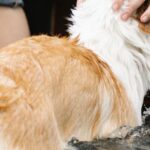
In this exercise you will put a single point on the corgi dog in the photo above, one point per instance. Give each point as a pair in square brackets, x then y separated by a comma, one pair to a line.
[53, 89]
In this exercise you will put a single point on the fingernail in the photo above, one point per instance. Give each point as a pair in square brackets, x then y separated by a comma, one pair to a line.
[144, 19]
[124, 17]
[115, 6]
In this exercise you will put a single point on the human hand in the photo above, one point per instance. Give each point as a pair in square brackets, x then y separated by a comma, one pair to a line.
[79, 2]
[132, 6]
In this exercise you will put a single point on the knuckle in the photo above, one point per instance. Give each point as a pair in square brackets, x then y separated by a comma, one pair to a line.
[130, 9]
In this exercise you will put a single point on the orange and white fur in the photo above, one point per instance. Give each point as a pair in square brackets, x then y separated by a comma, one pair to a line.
[122, 45]
[52, 89]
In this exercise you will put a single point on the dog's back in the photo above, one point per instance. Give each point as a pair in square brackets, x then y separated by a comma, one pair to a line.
[51, 90]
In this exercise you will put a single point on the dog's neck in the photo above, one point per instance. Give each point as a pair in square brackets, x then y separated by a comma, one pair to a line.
[121, 44]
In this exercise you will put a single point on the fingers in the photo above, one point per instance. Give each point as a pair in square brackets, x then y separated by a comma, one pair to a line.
[79, 2]
[146, 15]
[132, 6]
[117, 4]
